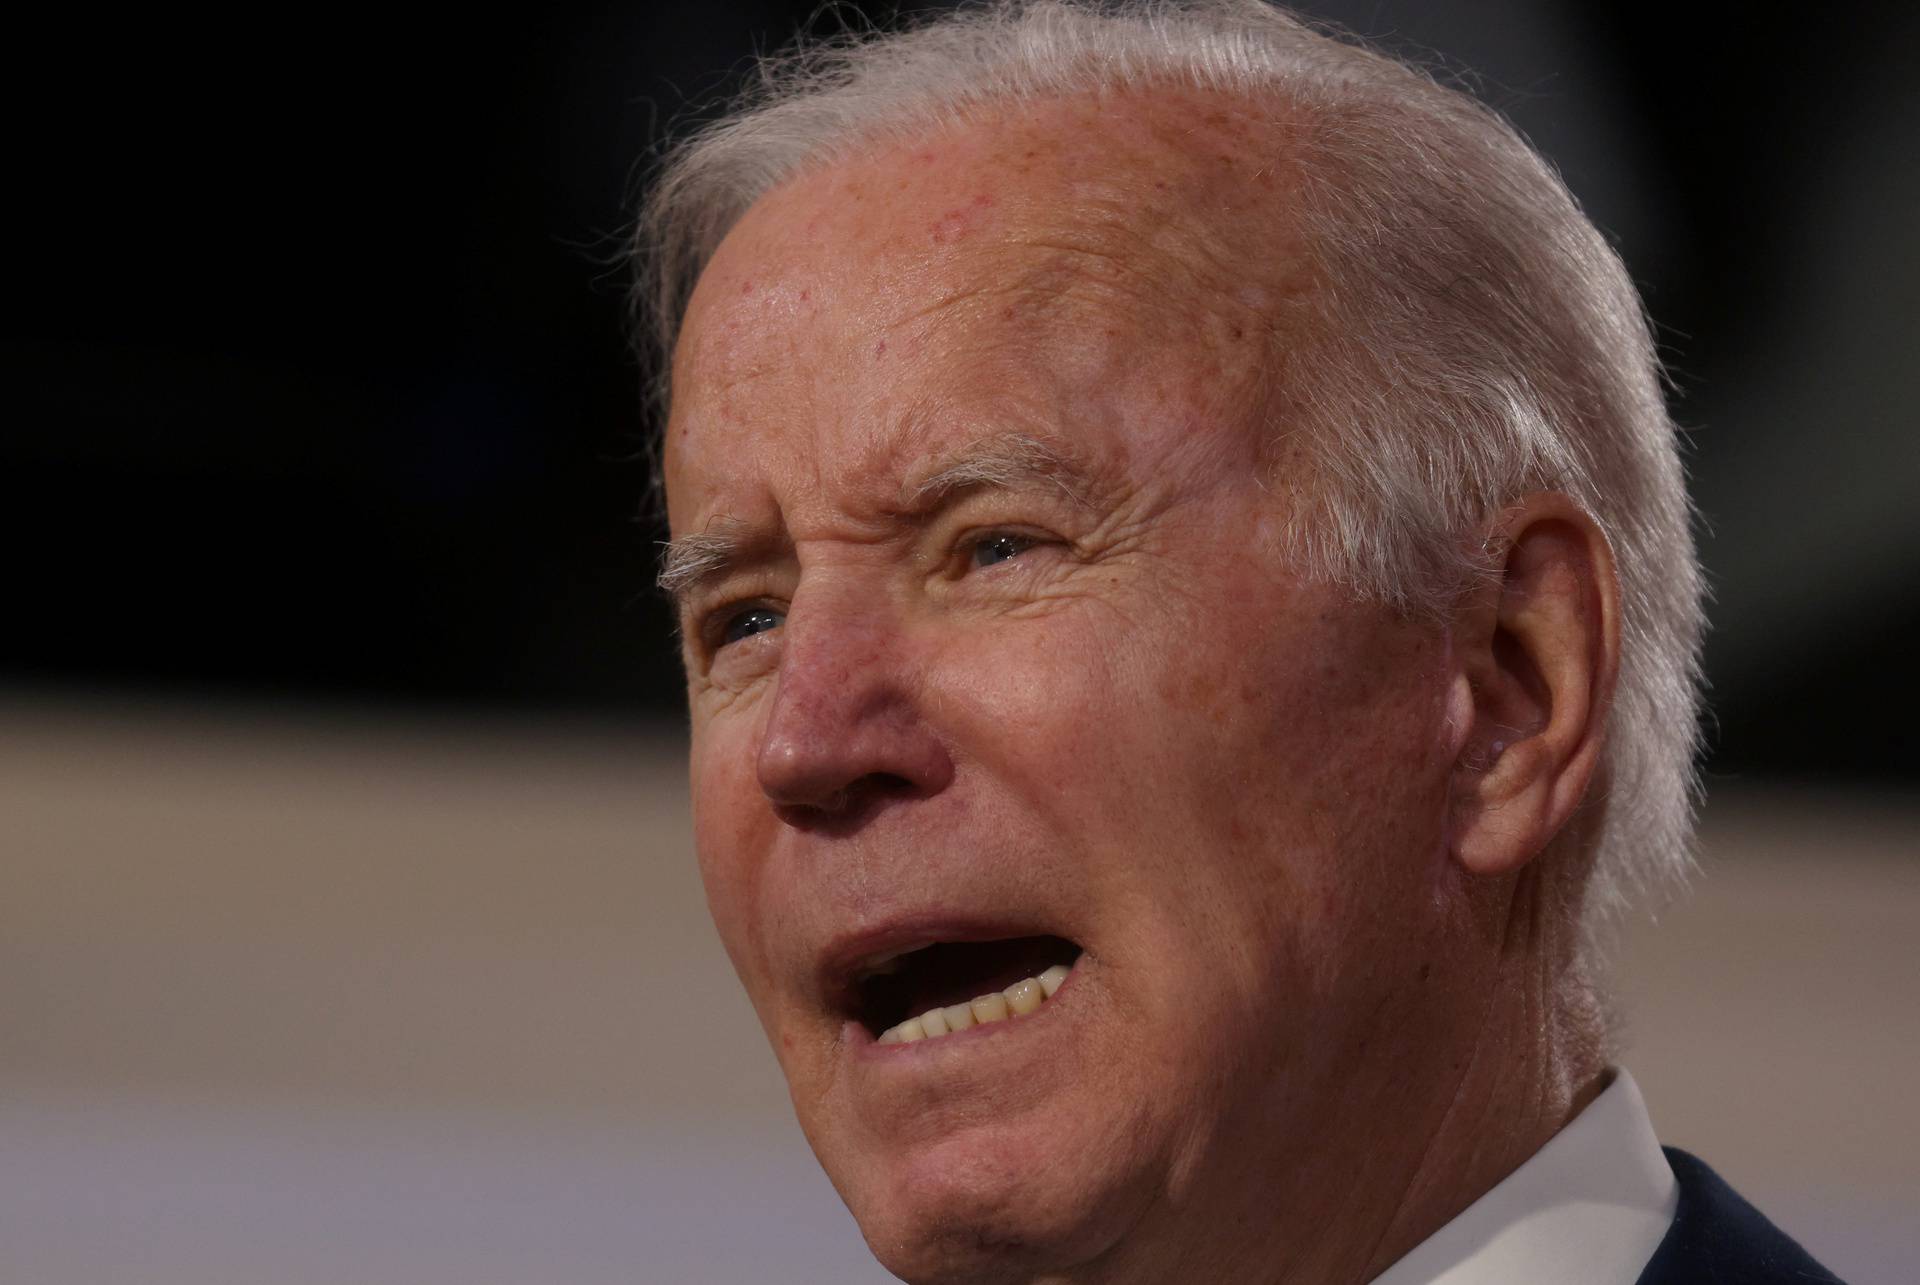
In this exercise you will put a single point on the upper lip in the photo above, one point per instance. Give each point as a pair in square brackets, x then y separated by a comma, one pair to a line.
[850, 956]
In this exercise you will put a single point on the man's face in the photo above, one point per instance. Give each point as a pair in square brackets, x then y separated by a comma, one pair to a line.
[992, 642]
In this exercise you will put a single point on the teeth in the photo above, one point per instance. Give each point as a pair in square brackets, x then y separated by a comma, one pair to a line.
[990, 1008]
[1017, 1000]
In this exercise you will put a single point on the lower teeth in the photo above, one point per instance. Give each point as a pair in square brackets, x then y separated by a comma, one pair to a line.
[1017, 1000]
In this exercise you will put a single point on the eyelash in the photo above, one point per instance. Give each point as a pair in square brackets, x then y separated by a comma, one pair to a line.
[966, 554]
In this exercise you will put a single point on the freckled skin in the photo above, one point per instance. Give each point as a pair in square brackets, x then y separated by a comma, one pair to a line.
[1230, 786]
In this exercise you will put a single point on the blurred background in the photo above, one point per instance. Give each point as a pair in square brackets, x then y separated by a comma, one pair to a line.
[348, 927]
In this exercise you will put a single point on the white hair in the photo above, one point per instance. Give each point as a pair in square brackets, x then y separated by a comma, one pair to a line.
[1476, 338]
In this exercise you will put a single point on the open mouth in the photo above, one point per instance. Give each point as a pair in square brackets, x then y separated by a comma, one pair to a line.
[950, 986]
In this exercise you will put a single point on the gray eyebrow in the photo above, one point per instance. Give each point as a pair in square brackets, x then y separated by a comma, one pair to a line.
[1006, 461]
[701, 555]
[1010, 460]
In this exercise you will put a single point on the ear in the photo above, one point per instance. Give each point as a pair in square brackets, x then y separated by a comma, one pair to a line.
[1537, 652]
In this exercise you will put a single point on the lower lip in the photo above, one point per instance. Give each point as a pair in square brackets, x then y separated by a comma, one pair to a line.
[869, 1046]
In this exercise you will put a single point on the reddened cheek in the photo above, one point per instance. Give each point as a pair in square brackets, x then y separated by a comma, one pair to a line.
[730, 826]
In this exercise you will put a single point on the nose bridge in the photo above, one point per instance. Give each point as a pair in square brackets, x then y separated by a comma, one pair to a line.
[842, 646]
[846, 718]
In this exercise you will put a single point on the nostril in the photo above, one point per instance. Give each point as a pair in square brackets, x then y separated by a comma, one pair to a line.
[850, 806]
[871, 787]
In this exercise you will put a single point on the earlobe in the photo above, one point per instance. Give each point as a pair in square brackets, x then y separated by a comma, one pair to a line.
[1538, 649]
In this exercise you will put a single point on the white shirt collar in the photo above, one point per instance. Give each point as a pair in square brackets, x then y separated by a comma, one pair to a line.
[1591, 1207]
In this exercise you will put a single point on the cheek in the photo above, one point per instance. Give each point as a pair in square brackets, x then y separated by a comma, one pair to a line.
[729, 814]
[1350, 798]
[1268, 775]
[1048, 708]
[1118, 730]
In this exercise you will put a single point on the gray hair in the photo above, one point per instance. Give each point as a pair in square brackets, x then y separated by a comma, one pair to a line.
[1476, 338]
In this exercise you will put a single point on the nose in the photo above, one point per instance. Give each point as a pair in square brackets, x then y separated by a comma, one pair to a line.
[846, 730]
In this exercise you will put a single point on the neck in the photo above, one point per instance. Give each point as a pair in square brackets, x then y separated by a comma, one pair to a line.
[1452, 1115]
[1511, 1101]
[1536, 1062]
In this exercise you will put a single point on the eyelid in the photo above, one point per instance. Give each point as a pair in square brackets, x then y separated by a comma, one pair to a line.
[706, 613]
[968, 543]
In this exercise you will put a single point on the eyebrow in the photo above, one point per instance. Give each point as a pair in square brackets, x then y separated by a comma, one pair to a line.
[1006, 461]
[701, 556]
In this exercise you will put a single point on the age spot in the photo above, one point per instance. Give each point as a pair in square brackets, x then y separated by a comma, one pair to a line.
[950, 227]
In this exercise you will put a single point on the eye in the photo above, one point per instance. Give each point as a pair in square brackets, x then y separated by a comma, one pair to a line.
[999, 547]
[745, 624]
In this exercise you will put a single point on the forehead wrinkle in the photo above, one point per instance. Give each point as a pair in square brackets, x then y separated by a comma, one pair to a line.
[1174, 264]
[1041, 291]
[1166, 269]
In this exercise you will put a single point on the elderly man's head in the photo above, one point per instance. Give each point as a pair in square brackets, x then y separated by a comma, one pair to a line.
[1168, 512]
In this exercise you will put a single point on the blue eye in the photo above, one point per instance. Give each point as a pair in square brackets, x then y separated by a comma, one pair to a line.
[999, 548]
[745, 624]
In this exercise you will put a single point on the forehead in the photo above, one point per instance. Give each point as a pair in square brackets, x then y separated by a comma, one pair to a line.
[1043, 264]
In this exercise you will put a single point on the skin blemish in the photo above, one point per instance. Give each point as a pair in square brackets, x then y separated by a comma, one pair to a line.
[951, 226]
[880, 349]
[957, 222]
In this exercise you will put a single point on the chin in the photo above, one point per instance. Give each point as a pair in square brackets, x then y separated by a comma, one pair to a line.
[1015, 1149]
[994, 1205]
[999, 1201]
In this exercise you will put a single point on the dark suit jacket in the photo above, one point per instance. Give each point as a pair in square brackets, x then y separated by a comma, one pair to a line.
[1719, 1239]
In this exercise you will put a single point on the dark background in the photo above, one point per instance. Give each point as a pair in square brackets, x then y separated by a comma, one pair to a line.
[318, 388]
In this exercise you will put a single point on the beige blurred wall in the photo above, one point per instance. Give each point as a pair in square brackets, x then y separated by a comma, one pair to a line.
[291, 996]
